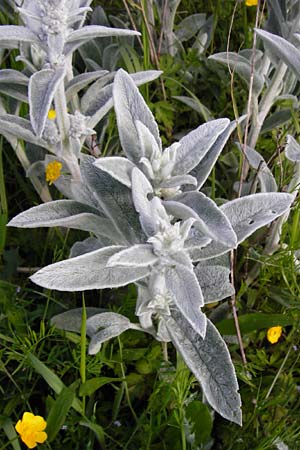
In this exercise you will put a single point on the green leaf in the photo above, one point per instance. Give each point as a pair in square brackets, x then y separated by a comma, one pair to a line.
[255, 321]
[53, 380]
[9, 430]
[97, 429]
[90, 386]
[200, 422]
[59, 411]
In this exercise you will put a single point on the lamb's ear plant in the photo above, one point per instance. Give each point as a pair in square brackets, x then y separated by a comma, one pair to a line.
[59, 120]
[153, 227]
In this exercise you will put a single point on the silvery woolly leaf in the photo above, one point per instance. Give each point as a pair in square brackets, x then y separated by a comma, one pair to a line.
[66, 213]
[14, 34]
[148, 145]
[87, 272]
[187, 296]
[292, 149]
[214, 281]
[189, 26]
[42, 87]
[196, 144]
[264, 174]
[13, 77]
[94, 31]
[118, 167]
[242, 67]
[246, 215]
[139, 255]
[130, 106]
[105, 326]
[16, 91]
[141, 190]
[79, 82]
[97, 102]
[283, 49]
[20, 128]
[89, 245]
[178, 180]
[202, 170]
[210, 362]
[72, 320]
[115, 200]
[214, 222]
[196, 105]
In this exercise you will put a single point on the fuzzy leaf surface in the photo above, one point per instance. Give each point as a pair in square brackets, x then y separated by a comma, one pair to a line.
[20, 128]
[214, 282]
[14, 34]
[87, 272]
[283, 49]
[187, 296]
[139, 255]
[131, 106]
[292, 149]
[118, 167]
[195, 145]
[42, 87]
[210, 362]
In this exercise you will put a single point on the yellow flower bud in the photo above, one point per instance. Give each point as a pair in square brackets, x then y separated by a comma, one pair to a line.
[251, 2]
[53, 170]
[52, 114]
[274, 333]
[31, 429]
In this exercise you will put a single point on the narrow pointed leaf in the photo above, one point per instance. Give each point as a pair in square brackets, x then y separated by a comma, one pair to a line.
[13, 76]
[58, 412]
[81, 81]
[187, 296]
[130, 106]
[42, 87]
[195, 145]
[93, 31]
[210, 362]
[14, 34]
[87, 272]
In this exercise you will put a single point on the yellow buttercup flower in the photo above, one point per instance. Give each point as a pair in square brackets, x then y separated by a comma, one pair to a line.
[53, 170]
[52, 114]
[274, 333]
[31, 429]
[251, 2]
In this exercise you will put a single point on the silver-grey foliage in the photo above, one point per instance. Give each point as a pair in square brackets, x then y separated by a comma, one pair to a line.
[153, 227]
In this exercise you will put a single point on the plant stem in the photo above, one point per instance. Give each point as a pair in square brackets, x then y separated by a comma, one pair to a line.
[3, 203]
[83, 348]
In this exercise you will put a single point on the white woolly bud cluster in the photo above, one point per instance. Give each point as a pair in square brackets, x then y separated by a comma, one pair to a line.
[51, 133]
[78, 126]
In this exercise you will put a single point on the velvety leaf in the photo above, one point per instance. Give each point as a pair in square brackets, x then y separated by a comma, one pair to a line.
[187, 296]
[13, 76]
[72, 320]
[210, 362]
[20, 128]
[14, 34]
[16, 91]
[195, 145]
[292, 149]
[65, 213]
[214, 282]
[214, 222]
[94, 31]
[139, 255]
[118, 167]
[283, 49]
[87, 272]
[115, 200]
[42, 87]
[263, 174]
[130, 106]
[246, 215]
[79, 82]
[105, 326]
[203, 169]
[89, 245]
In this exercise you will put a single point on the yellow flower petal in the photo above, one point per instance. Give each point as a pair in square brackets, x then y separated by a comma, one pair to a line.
[30, 429]
[251, 2]
[52, 114]
[273, 334]
[53, 170]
